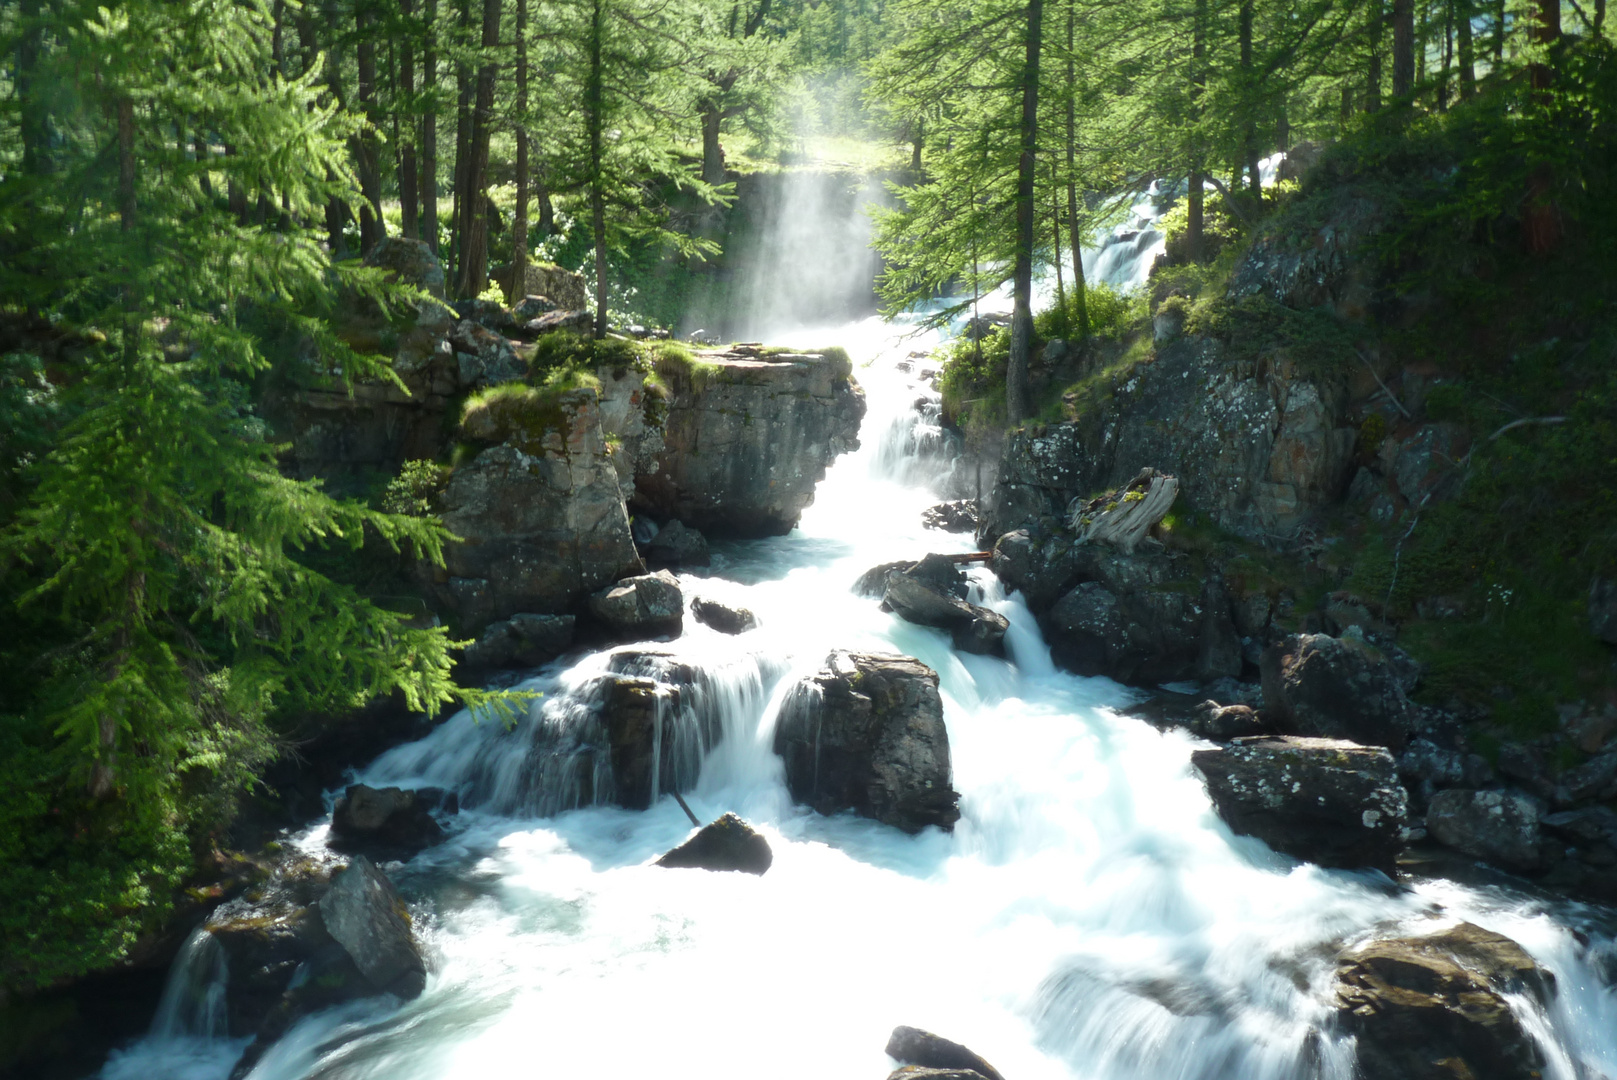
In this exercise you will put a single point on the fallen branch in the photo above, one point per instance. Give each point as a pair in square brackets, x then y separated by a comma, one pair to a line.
[1365, 360]
[1230, 199]
[1524, 421]
[680, 799]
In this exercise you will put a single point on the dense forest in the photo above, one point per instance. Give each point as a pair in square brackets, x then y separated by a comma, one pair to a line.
[188, 193]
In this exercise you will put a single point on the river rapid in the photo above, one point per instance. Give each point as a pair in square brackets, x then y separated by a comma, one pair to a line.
[1090, 917]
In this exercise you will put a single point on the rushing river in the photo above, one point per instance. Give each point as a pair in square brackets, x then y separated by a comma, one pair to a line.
[1089, 917]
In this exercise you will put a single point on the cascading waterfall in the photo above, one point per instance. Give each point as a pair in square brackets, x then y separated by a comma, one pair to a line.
[193, 1002]
[1090, 917]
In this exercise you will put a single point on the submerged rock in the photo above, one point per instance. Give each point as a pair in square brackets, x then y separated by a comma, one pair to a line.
[728, 843]
[1434, 1008]
[937, 1057]
[1500, 826]
[1324, 800]
[677, 545]
[866, 733]
[722, 617]
[636, 714]
[389, 822]
[647, 606]
[958, 516]
[919, 600]
[1336, 688]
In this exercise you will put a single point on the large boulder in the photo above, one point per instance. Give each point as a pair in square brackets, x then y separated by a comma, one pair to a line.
[523, 640]
[957, 516]
[563, 288]
[913, 1046]
[677, 545]
[931, 593]
[723, 617]
[638, 608]
[386, 822]
[728, 843]
[1500, 826]
[364, 914]
[1436, 1008]
[866, 733]
[1336, 688]
[1324, 800]
[748, 437]
[539, 514]
[636, 713]
[485, 357]
[409, 262]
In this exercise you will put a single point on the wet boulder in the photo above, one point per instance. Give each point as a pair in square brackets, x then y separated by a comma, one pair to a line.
[957, 516]
[936, 1056]
[866, 733]
[1499, 826]
[1327, 801]
[1221, 723]
[364, 914]
[921, 600]
[873, 582]
[387, 822]
[727, 843]
[676, 545]
[637, 608]
[723, 617]
[1336, 688]
[1435, 1008]
[636, 714]
[523, 640]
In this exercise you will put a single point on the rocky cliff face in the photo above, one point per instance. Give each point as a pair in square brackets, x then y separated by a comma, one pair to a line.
[748, 435]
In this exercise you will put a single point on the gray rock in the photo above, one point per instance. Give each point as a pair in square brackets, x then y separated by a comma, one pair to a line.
[1424, 464]
[677, 545]
[531, 307]
[1336, 688]
[866, 733]
[913, 1046]
[1435, 1008]
[1324, 800]
[1594, 779]
[567, 319]
[364, 914]
[1221, 723]
[873, 582]
[386, 822]
[409, 262]
[1500, 827]
[1603, 610]
[722, 617]
[959, 516]
[921, 1072]
[523, 640]
[1591, 825]
[920, 600]
[567, 289]
[748, 437]
[637, 716]
[728, 843]
[486, 358]
[647, 606]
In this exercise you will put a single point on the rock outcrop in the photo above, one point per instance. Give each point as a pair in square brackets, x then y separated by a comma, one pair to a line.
[1327, 801]
[523, 640]
[563, 288]
[1336, 688]
[749, 435]
[1434, 1008]
[643, 607]
[956, 516]
[539, 514]
[727, 843]
[363, 913]
[936, 1055]
[385, 822]
[866, 733]
[676, 545]
[1499, 826]
[1148, 617]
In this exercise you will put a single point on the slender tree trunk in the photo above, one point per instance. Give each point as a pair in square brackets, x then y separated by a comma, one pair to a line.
[429, 130]
[916, 145]
[1378, 39]
[33, 115]
[1055, 232]
[474, 266]
[204, 181]
[1542, 218]
[519, 221]
[1498, 34]
[463, 145]
[712, 150]
[125, 108]
[1080, 292]
[593, 103]
[1467, 50]
[336, 209]
[547, 209]
[409, 198]
[371, 227]
[1249, 88]
[235, 197]
[1403, 47]
[1017, 403]
[1448, 56]
[1195, 204]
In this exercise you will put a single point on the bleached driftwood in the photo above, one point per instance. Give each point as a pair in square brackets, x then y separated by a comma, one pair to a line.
[1123, 517]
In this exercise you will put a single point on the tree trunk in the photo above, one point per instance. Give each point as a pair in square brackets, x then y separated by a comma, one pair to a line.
[1498, 34]
[547, 209]
[1195, 206]
[593, 107]
[371, 227]
[31, 103]
[409, 199]
[1542, 218]
[1403, 47]
[1466, 49]
[474, 266]
[429, 130]
[1055, 234]
[916, 145]
[1080, 292]
[336, 209]
[712, 151]
[1448, 57]
[125, 109]
[235, 197]
[204, 181]
[519, 221]
[1374, 74]
[1249, 137]
[1017, 403]
[463, 145]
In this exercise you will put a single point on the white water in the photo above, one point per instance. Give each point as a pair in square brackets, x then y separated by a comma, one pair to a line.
[1090, 917]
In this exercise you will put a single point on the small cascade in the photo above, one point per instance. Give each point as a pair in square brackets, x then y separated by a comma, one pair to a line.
[193, 1001]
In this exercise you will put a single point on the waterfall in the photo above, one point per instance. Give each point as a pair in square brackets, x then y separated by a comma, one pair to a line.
[193, 1001]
